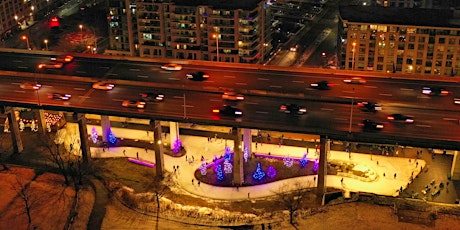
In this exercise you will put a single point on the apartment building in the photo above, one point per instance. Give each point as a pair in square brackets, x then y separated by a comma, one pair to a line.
[399, 40]
[430, 4]
[226, 31]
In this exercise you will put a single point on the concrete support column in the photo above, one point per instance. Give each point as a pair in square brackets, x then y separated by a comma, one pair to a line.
[173, 132]
[14, 127]
[84, 141]
[247, 141]
[238, 161]
[105, 126]
[158, 147]
[41, 120]
[322, 169]
[455, 169]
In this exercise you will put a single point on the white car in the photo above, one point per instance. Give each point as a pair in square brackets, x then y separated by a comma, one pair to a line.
[172, 67]
[232, 96]
[457, 101]
[64, 58]
[103, 85]
[133, 104]
[30, 85]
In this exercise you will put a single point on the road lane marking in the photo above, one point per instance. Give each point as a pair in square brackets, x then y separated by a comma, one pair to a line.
[301, 82]
[173, 78]
[424, 126]
[262, 112]
[19, 91]
[241, 83]
[23, 67]
[135, 70]
[113, 74]
[370, 86]
[341, 119]
[262, 79]
[386, 94]
[188, 106]
[230, 76]
[219, 100]
[17, 60]
[251, 103]
[276, 86]
[348, 91]
[80, 89]
[406, 89]
[142, 76]
[327, 109]
[180, 97]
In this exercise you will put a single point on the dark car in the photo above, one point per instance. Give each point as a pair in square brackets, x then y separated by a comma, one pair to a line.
[368, 124]
[435, 91]
[401, 118]
[369, 106]
[152, 96]
[59, 96]
[197, 76]
[292, 109]
[321, 85]
[228, 110]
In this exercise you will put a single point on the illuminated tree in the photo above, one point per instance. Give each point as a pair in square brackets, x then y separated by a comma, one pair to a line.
[259, 174]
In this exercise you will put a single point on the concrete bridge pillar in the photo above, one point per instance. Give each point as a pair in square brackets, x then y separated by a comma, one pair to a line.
[455, 169]
[322, 169]
[105, 126]
[247, 141]
[157, 146]
[84, 140]
[238, 161]
[41, 120]
[14, 128]
[173, 133]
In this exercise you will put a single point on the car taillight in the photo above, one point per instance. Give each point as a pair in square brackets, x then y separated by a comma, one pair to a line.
[206, 76]
[390, 118]
[215, 110]
[240, 98]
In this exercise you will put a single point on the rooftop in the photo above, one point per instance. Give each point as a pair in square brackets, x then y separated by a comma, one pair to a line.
[221, 4]
[399, 16]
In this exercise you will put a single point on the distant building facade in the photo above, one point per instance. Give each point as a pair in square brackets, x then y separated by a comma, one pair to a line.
[227, 31]
[399, 40]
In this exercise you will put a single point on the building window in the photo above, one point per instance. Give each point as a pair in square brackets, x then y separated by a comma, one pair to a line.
[421, 47]
[442, 40]
[421, 39]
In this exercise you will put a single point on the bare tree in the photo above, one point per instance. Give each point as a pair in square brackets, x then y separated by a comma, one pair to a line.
[292, 196]
[25, 193]
[160, 186]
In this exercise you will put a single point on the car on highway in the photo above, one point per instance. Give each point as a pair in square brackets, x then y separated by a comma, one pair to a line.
[457, 100]
[368, 124]
[397, 117]
[369, 106]
[59, 96]
[321, 85]
[51, 65]
[355, 80]
[292, 109]
[232, 96]
[133, 104]
[62, 58]
[294, 48]
[152, 96]
[228, 110]
[30, 85]
[435, 91]
[197, 76]
[172, 67]
[102, 85]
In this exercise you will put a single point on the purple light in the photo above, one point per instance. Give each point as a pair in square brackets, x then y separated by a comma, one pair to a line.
[271, 172]
[144, 163]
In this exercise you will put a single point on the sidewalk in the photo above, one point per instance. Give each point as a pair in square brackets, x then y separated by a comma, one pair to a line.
[387, 185]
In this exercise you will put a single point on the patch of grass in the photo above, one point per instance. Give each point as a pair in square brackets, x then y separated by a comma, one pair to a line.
[132, 175]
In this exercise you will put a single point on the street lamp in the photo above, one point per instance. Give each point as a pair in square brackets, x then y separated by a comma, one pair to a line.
[353, 50]
[81, 28]
[25, 38]
[351, 111]
[46, 43]
[216, 36]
